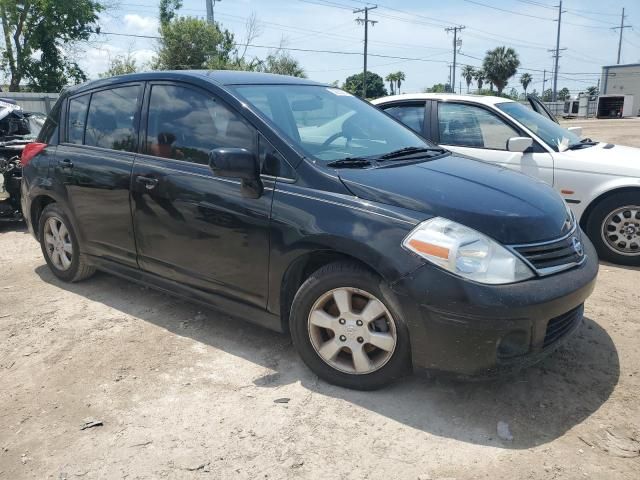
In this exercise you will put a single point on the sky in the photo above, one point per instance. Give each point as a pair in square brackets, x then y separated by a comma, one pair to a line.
[409, 36]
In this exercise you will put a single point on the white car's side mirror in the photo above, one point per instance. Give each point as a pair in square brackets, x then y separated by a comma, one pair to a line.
[519, 144]
[576, 131]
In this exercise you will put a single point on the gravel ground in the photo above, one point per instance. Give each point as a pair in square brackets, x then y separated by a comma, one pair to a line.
[166, 389]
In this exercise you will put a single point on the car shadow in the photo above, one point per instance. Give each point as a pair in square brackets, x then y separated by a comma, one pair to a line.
[538, 404]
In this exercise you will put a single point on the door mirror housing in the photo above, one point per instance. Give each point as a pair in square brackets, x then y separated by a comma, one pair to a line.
[237, 163]
[576, 131]
[519, 144]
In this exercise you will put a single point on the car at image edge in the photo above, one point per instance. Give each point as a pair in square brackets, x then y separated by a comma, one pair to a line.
[301, 208]
[599, 180]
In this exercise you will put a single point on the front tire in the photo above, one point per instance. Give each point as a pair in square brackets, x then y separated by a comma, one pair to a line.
[348, 329]
[614, 228]
[59, 245]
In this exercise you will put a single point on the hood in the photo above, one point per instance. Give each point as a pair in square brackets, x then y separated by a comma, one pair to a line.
[505, 205]
[604, 158]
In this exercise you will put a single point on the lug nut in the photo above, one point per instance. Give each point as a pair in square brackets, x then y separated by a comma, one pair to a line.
[360, 339]
[341, 321]
[343, 338]
[359, 323]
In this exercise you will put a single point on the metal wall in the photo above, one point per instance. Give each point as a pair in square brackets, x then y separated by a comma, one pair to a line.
[32, 102]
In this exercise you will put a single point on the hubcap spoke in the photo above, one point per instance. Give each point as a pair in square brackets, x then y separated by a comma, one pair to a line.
[342, 298]
[322, 319]
[383, 341]
[66, 262]
[330, 349]
[361, 361]
[53, 226]
[373, 310]
[48, 238]
[621, 230]
[62, 231]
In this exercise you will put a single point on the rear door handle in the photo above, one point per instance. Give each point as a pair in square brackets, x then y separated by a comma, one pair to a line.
[66, 163]
[148, 182]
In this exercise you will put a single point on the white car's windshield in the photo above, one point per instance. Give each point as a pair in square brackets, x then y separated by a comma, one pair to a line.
[328, 123]
[549, 132]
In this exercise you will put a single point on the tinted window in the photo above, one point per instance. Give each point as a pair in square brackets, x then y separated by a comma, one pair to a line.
[112, 119]
[184, 124]
[471, 126]
[411, 115]
[271, 162]
[328, 123]
[77, 117]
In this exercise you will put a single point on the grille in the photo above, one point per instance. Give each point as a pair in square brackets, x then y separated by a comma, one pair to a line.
[554, 256]
[559, 326]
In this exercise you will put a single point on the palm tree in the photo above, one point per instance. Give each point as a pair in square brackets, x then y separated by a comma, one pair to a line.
[399, 77]
[525, 80]
[479, 76]
[500, 64]
[391, 78]
[468, 74]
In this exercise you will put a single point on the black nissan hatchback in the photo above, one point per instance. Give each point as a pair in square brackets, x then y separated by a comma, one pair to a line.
[301, 208]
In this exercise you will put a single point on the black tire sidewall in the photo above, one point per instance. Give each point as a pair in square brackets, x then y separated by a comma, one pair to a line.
[54, 210]
[596, 219]
[346, 275]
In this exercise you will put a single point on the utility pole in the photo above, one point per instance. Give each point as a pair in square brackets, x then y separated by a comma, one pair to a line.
[557, 55]
[366, 22]
[455, 49]
[544, 82]
[621, 27]
[210, 5]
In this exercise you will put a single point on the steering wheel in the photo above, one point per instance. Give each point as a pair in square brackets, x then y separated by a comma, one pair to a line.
[334, 137]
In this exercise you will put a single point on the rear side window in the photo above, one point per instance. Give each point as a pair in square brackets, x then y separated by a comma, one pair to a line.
[185, 124]
[112, 118]
[77, 118]
[411, 115]
[49, 131]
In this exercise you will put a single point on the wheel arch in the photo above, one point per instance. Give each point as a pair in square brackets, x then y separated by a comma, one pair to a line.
[584, 218]
[38, 204]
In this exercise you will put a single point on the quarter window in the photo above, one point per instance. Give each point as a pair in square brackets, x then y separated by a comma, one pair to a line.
[111, 122]
[77, 118]
[470, 126]
[411, 115]
[184, 124]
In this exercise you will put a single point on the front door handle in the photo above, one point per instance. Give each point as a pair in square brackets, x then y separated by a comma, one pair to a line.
[66, 163]
[148, 182]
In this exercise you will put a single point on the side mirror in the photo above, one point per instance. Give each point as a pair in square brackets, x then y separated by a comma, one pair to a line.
[237, 163]
[519, 144]
[576, 131]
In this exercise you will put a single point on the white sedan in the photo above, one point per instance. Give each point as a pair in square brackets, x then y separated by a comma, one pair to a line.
[600, 181]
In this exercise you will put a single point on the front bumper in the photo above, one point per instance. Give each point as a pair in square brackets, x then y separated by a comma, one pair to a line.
[472, 329]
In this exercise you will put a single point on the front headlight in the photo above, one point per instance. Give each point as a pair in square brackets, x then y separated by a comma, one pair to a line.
[465, 252]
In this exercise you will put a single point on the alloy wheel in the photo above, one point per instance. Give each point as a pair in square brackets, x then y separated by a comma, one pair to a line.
[621, 230]
[58, 243]
[352, 331]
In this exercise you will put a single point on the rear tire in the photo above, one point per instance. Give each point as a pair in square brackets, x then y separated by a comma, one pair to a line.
[347, 328]
[614, 228]
[59, 244]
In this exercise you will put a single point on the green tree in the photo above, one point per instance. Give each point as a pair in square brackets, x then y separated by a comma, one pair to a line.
[38, 36]
[479, 77]
[564, 94]
[592, 91]
[191, 43]
[500, 64]
[437, 88]
[513, 94]
[525, 80]
[399, 77]
[547, 95]
[282, 63]
[375, 85]
[468, 73]
[168, 10]
[120, 65]
[391, 78]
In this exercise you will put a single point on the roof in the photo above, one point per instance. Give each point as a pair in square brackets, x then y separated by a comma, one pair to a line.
[220, 77]
[483, 99]
[625, 65]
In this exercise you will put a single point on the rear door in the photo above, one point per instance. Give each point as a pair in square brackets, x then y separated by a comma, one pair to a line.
[191, 226]
[480, 132]
[94, 162]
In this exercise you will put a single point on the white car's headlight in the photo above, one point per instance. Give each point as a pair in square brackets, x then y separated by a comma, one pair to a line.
[465, 252]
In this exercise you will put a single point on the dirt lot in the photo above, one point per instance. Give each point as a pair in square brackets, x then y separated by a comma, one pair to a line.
[183, 392]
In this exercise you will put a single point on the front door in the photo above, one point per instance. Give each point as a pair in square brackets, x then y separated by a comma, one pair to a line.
[477, 131]
[191, 226]
[94, 162]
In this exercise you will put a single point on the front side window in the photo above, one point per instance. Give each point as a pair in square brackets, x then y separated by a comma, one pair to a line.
[466, 125]
[76, 119]
[326, 123]
[411, 115]
[111, 122]
[185, 124]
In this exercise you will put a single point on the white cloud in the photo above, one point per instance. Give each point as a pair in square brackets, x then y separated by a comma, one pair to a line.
[141, 25]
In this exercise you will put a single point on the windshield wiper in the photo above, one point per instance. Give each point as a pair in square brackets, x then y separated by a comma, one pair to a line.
[350, 162]
[587, 142]
[402, 152]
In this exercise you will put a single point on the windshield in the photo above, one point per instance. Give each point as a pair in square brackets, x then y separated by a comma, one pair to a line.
[328, 123]
[549, 132]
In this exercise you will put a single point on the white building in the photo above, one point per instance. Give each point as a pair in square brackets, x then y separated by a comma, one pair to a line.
[619, 91]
